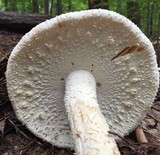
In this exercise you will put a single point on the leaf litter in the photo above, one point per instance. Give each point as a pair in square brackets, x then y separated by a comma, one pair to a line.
[16, 139]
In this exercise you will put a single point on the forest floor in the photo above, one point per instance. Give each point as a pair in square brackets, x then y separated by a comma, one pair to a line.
[16, 139]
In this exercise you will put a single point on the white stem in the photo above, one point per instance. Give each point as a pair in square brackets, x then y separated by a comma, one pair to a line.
[88, 125]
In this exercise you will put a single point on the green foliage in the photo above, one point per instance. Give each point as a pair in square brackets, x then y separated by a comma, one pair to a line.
[79, 5]
[148, 10]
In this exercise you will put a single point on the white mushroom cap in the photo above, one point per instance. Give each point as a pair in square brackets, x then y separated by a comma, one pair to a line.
[88, 40]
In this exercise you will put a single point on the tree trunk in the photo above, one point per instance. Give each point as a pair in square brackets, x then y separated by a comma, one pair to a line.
[35, 6]
[20, 22]
[5, 4]
[23, 5]
[150, 19]
[96, 4]
[51, 8]
[13, 4]
[118, 9]
[46, 7]
[133, 12]
[59, 7]
[69, 5]
[157, 47]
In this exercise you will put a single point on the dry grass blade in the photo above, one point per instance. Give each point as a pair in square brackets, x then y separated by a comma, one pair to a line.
[128, 50]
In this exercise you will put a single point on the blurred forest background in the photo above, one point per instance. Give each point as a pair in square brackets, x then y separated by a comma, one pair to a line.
[144, 13]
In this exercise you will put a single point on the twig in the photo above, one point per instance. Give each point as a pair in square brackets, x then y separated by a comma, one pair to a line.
[6, 116]
[116, 134]
[156, 108]
[34, 140]
[153, 117]
[155, 137]
[27, 148]
[3, 56]
[19, 129]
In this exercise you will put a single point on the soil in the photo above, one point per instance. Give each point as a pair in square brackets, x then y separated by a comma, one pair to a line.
[16, 139]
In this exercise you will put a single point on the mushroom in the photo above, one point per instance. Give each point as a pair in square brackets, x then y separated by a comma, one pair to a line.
[79, 75]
